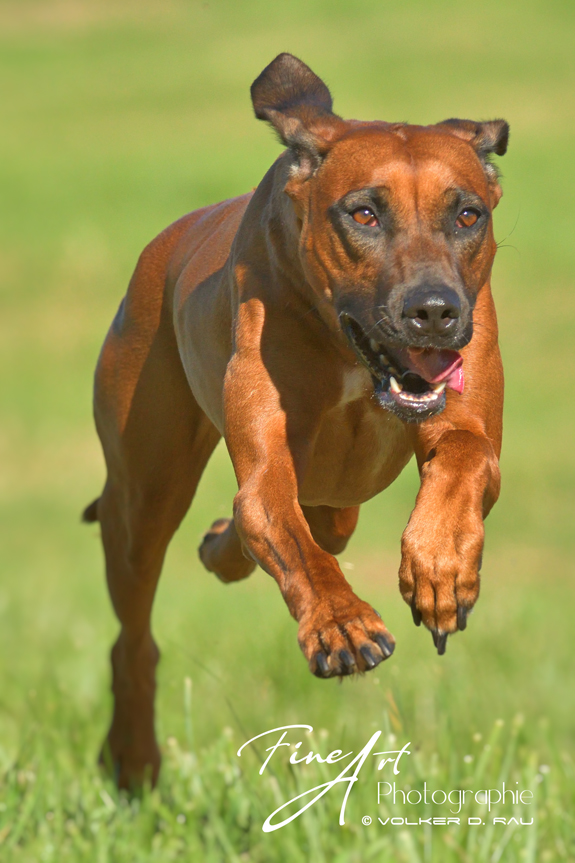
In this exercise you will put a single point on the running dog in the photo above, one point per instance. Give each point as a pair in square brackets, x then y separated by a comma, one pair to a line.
[328, 325]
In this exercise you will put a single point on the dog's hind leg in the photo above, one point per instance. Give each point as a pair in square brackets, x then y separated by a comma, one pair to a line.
[153, 471]
[156, 442]
[223, 553]
[331, 527]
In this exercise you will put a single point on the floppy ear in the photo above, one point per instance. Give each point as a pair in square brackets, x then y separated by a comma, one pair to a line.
[486, 138]
[298, 105]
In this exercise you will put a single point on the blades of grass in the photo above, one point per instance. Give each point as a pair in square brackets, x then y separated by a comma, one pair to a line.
[490, 828]
[407, 842]
[502, 844]
[532, 831]
[488, 752]
[188, 713]
[26, 811]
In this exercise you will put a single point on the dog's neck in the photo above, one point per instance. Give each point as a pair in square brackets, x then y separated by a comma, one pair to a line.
[271, 233]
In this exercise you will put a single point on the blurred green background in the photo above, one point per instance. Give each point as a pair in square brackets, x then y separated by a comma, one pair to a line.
[117, 118]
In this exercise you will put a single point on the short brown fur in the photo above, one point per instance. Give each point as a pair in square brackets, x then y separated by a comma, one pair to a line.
[230, 327]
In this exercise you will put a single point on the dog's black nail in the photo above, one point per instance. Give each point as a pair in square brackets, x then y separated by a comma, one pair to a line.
[461, 618]
[440, 639]
[480, 564]
[434, 636]
[347, 661]
[386, 647]
[378, 614]
[321, 665]
[370, 660]
[416, 614]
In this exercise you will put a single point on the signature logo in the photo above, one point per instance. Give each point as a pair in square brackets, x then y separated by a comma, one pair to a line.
[348, 776]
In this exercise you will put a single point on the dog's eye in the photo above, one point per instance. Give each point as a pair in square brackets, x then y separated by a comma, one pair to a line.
[365, 216]
[467, 218]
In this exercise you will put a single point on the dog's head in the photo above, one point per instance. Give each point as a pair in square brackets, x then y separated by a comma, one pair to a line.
[396, 234]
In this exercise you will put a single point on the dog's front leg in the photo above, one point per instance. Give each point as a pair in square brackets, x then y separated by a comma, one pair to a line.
[269, 439]
[443, 541]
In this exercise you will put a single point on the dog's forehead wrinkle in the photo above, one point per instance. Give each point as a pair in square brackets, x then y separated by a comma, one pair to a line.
[427, 176]
[410, 186]
[378, 154]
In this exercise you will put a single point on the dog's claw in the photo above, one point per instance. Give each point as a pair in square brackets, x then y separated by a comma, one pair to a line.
[462, 618]
[440, 641]
[321, 665]
[386, 647]
[416, 614]
[347, 661]
[370, 660]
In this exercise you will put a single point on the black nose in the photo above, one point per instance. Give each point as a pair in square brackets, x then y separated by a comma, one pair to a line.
[431, 311]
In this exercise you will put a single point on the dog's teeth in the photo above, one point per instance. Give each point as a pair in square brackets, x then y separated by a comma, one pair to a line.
[394, 386]
[373, 345]
[438, 388]
[382, 360]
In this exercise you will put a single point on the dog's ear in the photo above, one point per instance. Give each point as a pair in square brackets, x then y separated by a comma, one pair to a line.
[298, 105]
[486, 139]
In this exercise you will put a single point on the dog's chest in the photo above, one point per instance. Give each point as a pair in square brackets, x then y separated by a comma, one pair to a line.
[359, 450]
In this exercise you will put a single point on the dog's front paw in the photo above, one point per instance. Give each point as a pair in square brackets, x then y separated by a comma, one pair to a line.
[439, 573]
[346, 640]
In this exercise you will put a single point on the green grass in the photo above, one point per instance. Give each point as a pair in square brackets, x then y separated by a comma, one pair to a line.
[116, 119]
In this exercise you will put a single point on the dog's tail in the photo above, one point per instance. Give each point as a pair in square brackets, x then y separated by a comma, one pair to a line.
[90, 514]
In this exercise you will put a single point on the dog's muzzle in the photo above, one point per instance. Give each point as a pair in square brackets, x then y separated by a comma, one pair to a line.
[411, 382]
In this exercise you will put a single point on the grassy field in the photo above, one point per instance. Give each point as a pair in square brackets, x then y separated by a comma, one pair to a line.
[117, 117]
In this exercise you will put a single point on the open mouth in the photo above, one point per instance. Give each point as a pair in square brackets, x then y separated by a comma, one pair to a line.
[411, 382]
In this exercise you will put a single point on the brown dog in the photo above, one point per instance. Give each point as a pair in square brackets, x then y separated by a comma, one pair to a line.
[316, 324]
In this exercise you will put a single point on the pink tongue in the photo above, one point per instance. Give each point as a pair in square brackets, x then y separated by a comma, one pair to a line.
[434, 366]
